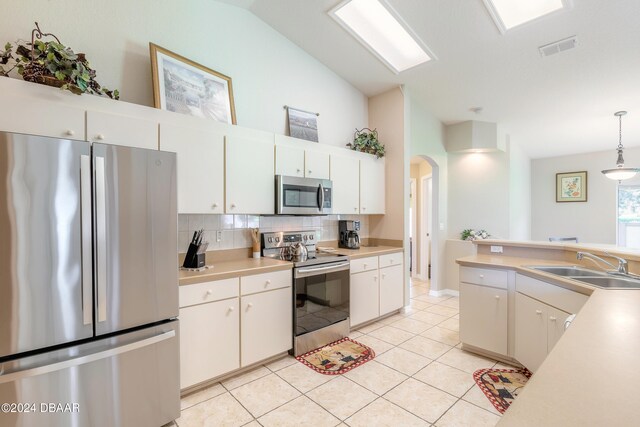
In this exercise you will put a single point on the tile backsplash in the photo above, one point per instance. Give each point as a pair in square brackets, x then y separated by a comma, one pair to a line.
[232, 231]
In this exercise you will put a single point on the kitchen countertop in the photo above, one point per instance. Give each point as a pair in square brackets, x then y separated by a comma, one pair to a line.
[590, 377]
[236, 268]
[366, 251]
[248, 266]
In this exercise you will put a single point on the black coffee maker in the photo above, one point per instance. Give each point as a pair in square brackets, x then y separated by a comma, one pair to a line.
[349, 237]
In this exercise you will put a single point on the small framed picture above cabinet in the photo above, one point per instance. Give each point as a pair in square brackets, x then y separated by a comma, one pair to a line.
[571, 187]
[186, 87]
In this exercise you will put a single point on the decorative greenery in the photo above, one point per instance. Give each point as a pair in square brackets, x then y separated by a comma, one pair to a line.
[52, 63]
[470, 234]
[366, 141]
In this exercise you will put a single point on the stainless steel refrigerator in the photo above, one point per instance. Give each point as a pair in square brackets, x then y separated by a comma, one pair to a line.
[88, 284]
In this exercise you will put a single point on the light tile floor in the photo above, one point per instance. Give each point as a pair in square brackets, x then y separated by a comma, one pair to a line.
[419, 377]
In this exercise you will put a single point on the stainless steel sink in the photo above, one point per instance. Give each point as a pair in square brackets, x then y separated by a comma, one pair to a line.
[612, 282]
[572, 271]
[600, 279]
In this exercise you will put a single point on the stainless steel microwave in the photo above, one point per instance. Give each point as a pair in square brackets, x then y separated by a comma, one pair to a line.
[303, 196]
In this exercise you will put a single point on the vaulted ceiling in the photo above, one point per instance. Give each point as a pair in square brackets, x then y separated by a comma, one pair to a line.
[553, 105]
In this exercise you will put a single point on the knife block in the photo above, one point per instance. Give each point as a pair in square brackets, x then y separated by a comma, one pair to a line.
[193, 259]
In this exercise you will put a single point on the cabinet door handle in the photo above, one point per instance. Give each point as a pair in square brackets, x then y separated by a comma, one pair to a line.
[391, 261]
[231, 308]
[309, 171]
[215, 205]
[497, 296]
[375, 278]
[100, 137]
[481, 276]
[267, 283]
[553, 319]
[70, 132]
[250, 305]
[364, 208]
[364, 266]
[384, 275]
[209, 292]
[298, 170]
[538, 311]
[355, 209]
[233, 205]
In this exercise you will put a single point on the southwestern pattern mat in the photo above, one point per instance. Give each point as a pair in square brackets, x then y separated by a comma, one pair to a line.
[338, 357]
[501, 386]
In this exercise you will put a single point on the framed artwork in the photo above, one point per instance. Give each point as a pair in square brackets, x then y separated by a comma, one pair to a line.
[186, 87]
[303, 124]
[571, 187]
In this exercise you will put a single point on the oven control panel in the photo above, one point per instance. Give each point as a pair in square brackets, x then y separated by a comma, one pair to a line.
[280, 239]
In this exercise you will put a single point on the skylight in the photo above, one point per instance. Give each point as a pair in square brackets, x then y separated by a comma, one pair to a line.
[510, 13]
[382, 31]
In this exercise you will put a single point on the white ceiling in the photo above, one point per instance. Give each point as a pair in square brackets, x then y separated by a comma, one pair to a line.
[550, 106]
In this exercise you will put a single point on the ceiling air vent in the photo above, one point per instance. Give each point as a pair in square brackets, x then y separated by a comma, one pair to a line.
[559, 46]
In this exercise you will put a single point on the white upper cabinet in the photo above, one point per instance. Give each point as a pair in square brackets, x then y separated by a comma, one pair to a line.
[114, 129]
[372, 186]
[296, 157]
[42, 118]
[289, 160]
[249, 172]
[345, 176]
[316, 164]
[200, 158]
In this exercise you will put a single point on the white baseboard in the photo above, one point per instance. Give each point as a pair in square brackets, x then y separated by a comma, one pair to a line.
[443, 292]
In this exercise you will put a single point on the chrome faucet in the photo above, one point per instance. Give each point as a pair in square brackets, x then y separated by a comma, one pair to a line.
[622, 268]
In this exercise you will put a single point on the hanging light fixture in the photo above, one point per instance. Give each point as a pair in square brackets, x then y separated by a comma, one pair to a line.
[620, 172]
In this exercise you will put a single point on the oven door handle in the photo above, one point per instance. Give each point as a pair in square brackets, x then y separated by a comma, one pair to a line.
[310, 271]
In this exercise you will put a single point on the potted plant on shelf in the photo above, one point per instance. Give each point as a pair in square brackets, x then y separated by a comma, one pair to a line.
[53, 64]
[366, 141]
[470, 234]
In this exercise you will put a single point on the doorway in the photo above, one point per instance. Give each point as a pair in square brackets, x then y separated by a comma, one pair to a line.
[422, 219]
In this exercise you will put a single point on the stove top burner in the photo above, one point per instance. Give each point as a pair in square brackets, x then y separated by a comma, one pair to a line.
[276, 244]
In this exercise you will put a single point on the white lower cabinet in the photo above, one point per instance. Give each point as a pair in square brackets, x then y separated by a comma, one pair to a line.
[266, 325]
[223, 328]
[484, 309]
[209, 341]
[538, 328]
[531, 331]
[541, 309]
[375, 291]
[391, 289]
[364, 297]
[484, 317]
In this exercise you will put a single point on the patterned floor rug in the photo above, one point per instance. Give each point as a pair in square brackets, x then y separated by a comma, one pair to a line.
[338, 357]
[501, 386]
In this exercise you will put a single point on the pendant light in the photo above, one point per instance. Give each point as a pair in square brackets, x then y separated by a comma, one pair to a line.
[620, 172]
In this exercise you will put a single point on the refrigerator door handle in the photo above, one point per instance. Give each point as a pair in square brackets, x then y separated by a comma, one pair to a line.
[85, 221]
[87, 358]
[101, 238]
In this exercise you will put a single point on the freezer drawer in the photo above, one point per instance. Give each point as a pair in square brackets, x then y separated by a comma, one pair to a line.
[131, 379]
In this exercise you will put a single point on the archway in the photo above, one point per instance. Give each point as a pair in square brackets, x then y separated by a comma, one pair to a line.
[423, 233]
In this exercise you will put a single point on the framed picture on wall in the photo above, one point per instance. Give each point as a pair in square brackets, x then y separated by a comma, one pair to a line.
[186, 87]
[571, 187]
[302, 124]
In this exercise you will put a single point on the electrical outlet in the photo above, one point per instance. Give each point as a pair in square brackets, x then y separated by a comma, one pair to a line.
[496, 249]
[218, 236]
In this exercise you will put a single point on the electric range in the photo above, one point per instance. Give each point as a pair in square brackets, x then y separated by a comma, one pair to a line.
[320, 293]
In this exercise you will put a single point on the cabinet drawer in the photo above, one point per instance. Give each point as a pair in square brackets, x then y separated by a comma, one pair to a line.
[208, 292]
[484, 277]
[265, 282]
[390, 259]
[364, 264]
[556, 296]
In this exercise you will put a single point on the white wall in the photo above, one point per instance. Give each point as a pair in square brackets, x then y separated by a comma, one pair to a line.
[268, 71]
[593, 221]
[479, 193]
[519, 193]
